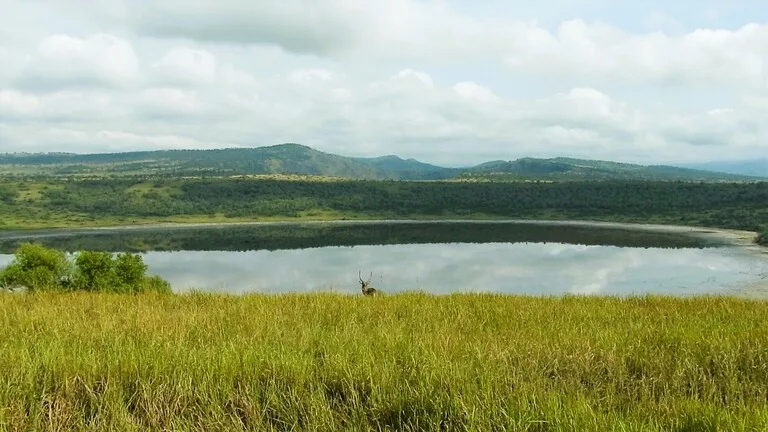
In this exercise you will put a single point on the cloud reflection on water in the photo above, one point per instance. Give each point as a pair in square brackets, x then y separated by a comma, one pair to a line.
[442, 268]
[522, 268]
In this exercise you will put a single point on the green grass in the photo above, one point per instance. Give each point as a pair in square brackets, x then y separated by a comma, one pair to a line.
[330, 362]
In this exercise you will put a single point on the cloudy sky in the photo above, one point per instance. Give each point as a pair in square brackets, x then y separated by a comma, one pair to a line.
[450, 82]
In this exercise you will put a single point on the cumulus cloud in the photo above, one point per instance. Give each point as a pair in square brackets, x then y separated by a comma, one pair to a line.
[315, 27]
[62, 61]
[433, 32]
[732, 57]
[405, 113]
[421, 79]
[474, 91]
[63, 106]
[184, 65]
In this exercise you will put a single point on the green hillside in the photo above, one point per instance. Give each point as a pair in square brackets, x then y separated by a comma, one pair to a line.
[409, 168]
[580, 169]
[303, 160]
[277, 159]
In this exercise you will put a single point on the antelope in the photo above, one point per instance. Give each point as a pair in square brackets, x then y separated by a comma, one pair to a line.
[365, 285]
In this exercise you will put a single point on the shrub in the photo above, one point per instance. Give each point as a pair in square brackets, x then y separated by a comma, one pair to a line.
[38, 268]
[8, 194]
[130, 269]
[95, 271]
[762, 237]
[155, 284]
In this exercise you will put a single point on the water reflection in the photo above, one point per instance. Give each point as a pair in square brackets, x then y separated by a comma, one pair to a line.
[311, 235]
[510, 268]
[599, 262]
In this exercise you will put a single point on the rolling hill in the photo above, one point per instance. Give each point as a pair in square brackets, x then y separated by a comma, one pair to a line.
[300, 159]
[749, 167]
[580, 169]
[277, 159]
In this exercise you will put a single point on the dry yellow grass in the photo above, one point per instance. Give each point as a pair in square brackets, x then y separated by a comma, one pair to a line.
[410, 361]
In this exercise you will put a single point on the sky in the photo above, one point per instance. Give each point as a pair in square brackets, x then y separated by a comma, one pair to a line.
[453, 82]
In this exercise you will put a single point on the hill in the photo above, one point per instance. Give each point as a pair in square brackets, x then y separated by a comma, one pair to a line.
[581, 169]
[409, 168]
[277, 159]
[749, 167]
[300, 159]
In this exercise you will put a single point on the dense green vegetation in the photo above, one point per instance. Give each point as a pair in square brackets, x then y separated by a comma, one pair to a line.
[37, 268]
[93, 202]
[299, 159]
[101, 362]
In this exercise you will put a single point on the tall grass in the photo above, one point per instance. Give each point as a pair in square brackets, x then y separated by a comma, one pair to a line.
[325, 362]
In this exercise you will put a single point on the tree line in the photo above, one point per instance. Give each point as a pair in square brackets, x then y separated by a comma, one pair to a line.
[727, 205]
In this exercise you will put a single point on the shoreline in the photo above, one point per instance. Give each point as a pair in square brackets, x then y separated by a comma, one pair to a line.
[733, 236]
[740, 239]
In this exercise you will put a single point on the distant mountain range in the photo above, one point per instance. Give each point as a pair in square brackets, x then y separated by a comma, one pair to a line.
[750, 167]
[300, 159]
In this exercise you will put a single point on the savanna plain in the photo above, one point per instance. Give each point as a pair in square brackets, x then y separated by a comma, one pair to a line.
[411, 361]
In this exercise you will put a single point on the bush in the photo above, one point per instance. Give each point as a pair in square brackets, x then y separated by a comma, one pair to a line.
[762, 237]
[8, 194]
[155, 284]
[38, 268]
[95, 271]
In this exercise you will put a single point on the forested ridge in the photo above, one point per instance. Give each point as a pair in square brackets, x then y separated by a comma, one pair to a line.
[727, 205]
[299, 159]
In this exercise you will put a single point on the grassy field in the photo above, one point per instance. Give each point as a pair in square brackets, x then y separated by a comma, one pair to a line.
[401, 362]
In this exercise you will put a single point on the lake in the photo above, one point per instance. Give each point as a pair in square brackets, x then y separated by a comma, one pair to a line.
[438, 257]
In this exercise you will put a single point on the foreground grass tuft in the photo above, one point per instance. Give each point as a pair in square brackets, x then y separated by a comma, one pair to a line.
[95, 361]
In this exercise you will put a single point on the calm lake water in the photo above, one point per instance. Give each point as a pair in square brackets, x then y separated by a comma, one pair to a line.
[434, 257]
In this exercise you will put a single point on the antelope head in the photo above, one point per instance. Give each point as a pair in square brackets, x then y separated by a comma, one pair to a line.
[364, 284]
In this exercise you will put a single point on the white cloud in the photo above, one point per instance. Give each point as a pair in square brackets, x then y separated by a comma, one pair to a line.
[474, 91]
[434, 33]
[17, 103]
[735, 58]
[439, 80]
[296, 25]
[187, 66]
[70, 106]
[169, 102]
[63, 61]
[405, 113]
[100, 140]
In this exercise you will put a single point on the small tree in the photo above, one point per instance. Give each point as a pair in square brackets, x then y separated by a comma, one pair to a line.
[130, 270]
[95, 271]
[126, 272]
[36, 267]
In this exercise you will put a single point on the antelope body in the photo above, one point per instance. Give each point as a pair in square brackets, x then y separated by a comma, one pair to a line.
[366, 287]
